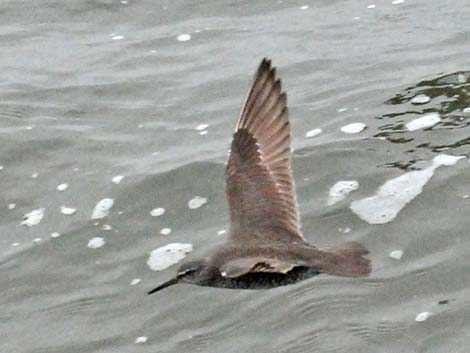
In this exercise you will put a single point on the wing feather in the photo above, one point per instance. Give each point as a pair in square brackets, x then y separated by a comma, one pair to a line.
[260, 186]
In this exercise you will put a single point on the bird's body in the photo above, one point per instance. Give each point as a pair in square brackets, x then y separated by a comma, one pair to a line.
[266, 248]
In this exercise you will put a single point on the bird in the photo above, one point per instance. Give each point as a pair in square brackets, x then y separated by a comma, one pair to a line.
[266, 248]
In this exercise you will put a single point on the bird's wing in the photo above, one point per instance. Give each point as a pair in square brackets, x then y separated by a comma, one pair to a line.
[242, 266]
[260, 186]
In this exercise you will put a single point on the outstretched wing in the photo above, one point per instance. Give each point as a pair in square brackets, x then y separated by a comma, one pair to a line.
[260, 186]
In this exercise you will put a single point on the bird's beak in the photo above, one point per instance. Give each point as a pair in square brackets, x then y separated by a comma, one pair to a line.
[164, 285]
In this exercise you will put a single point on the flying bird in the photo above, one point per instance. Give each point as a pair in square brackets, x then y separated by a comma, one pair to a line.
[266, 248]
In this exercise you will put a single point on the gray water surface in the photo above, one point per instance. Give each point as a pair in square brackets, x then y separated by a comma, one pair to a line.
[95, 89]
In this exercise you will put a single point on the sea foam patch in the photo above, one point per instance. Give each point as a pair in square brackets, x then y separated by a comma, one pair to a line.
[102, 208]
[183, 37]
[62, 187]
[33, 218]
[117, 179]
[396, 193]
[313, 133]
[396, 254]
[201, 127]
[95, 243]
[420, 99]
[423, 316]
[197, 202]
[165, 231]
[424, 122]
[168, 255]
[340, 190]
[156, 212]
[68, 211]
[353, 128]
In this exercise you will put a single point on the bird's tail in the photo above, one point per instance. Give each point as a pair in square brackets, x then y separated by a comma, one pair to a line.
[346, 260]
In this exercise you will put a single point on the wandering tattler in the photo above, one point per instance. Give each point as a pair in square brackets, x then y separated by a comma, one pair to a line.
[266, 248]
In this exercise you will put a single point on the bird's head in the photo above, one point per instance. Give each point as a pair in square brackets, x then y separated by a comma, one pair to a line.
[189, 272]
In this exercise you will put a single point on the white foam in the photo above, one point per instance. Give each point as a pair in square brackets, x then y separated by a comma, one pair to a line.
[353, 128]
[1, 167]
[15, 244]
[33, 218]
[117, 37]
[340, 190]
[396, 254]
[37, 240]
[396, 193]
[96, 242]
[424, 122]
[197, 202]
[68, 211]
[106, 227]
[466, 110]
[141, 339]
[446, 160]
[313, 133]
[168, 255]
[201, 127]
[222, 231]
[371, 6]
[11, 206]
[34, 175]
[397, 2]
[342, 110]
[55, 235]
[183, 37]
[203, 132]
[117, 179]
[420, 99]
[62, 187]
[135, 281]
[304, 7]
[461, 78]
[157, 212]
[165, 231]
[423, 316]
[102, 208]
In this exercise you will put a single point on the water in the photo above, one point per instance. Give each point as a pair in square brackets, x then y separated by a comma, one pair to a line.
[92, 90]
